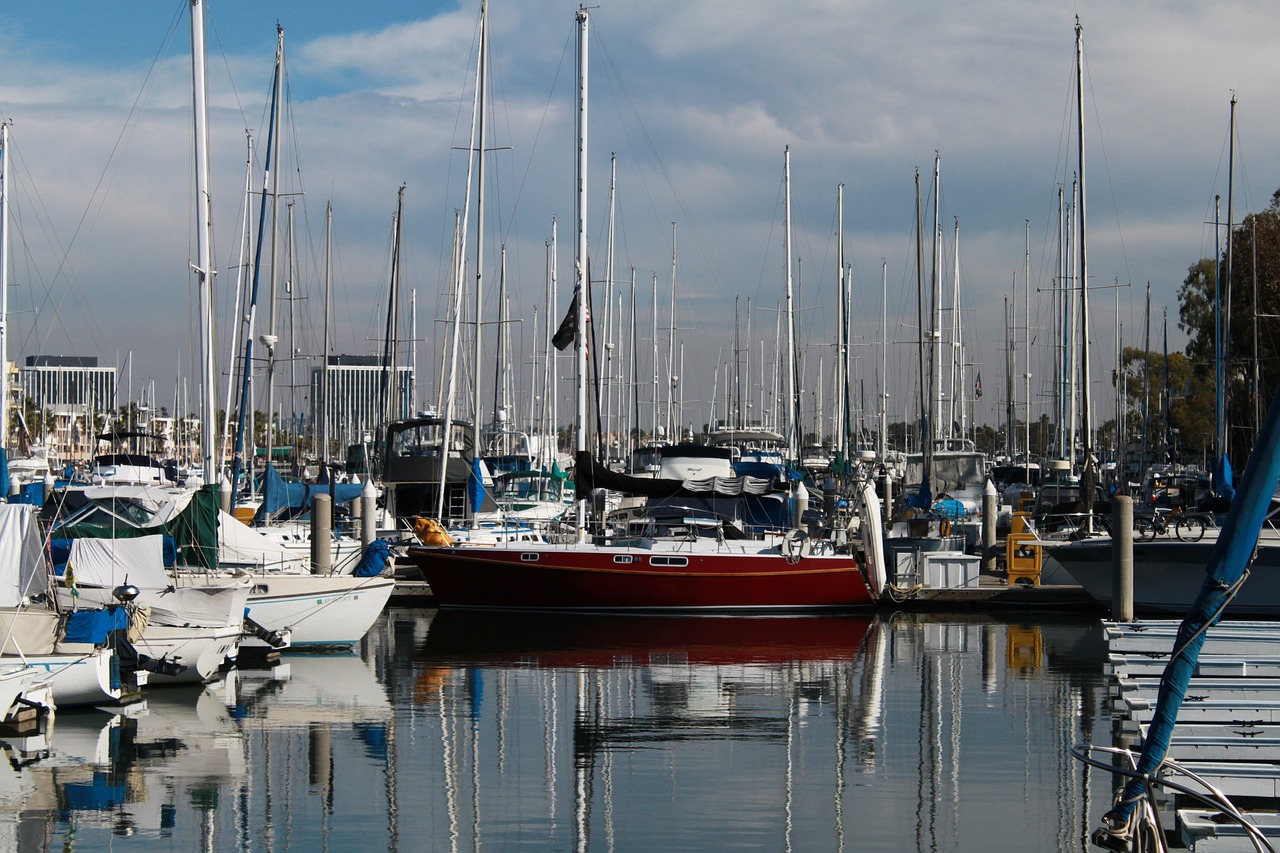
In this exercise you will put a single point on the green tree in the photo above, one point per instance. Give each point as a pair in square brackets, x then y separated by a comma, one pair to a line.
[1251, 301]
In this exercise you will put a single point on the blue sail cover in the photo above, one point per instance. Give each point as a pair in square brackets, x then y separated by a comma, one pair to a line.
[4, 473]
[475, 486]
[1223, 482]
[1225, 570]
[290, 500]
[922, 499]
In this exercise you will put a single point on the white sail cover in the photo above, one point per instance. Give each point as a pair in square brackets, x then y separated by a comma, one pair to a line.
[108, 563]
[240, 546]
[22, 569]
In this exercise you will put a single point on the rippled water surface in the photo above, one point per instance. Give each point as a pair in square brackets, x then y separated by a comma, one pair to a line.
[463, 731]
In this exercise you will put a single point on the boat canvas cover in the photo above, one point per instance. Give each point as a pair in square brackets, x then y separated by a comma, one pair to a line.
[242, 546]
[21, 556]
[290, 500]
[108, 563]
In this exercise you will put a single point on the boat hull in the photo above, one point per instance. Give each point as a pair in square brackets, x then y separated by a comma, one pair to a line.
[80, 679]
[1168, 574]
[620, 578]
[319, 610]
[203, 651]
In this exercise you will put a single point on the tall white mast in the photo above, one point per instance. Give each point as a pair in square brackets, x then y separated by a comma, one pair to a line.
[204, 239]
[673, 419]
[842, 354]
[482, 96]
[884, 359]
[935, 330]
[324, 408]
[793, 414]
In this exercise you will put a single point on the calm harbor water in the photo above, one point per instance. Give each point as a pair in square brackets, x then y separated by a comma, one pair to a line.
[466, 732]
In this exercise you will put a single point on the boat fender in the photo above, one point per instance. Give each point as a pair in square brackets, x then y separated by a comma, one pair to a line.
[944, 527]
[795, 545]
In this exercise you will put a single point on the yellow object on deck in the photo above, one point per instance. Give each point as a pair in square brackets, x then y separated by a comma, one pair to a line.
[1023, 558]
[429, 532]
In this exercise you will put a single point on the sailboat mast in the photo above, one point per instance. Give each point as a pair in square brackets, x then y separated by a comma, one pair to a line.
[673, 418]
[482, 84]
[935, 327]
[925, 443]
[204, 239]
[841, 342]
[323, 408]
[1088, 474]
[582, 283]
[269, 167]
[1222, 478]
[884, 359]
[793, 413]
[271, 337]
[4, 294]
[1026, 316]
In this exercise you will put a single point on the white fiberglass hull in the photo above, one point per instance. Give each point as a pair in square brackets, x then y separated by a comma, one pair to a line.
[319, 610]
[80, 679]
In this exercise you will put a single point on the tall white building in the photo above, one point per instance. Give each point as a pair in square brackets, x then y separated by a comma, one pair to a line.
[357, 400]
[77, 393]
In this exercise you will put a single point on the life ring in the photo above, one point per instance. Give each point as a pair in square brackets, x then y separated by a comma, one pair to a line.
[795, 545]
[944, 527]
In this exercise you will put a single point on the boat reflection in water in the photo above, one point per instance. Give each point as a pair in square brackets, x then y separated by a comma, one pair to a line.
[791, 732]
[470, 731]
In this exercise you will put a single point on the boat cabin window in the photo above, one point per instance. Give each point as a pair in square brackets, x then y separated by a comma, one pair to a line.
[668, 561]
[526, 557]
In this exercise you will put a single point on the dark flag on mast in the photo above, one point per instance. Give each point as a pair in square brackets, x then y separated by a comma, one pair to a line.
[977, 388]
[568, 326]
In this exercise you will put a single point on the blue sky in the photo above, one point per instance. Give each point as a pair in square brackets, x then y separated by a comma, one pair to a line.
[697, 101]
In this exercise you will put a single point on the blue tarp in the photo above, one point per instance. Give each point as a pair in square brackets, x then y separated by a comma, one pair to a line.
[293, 499]
[950, 508]
[92, 626]
[374, 560]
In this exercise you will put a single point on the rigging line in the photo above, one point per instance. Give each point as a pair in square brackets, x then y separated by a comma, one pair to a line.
[542, 123]
[1106, 163]
[34, 274]
[721, 277]
[105, 180]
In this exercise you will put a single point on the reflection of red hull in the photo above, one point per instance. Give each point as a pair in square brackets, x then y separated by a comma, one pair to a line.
[590, 578]
[605, 640]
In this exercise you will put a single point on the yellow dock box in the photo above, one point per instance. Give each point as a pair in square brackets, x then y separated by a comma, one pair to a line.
[1023, 558]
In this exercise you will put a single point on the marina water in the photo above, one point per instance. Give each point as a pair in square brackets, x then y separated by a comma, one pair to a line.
[456, 731]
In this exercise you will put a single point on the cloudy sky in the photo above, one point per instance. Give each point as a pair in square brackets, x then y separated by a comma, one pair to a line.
[699, 101]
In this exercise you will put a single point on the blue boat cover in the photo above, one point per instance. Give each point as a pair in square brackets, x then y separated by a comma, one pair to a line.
[93, 626]
[375, 559]
[290, 500]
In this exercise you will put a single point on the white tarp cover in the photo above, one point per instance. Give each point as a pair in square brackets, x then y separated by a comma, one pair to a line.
[22, 569]
[240, 546]
[109, 563]
[207, 606]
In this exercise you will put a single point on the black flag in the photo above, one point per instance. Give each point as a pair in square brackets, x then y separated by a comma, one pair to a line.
[568, 326]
